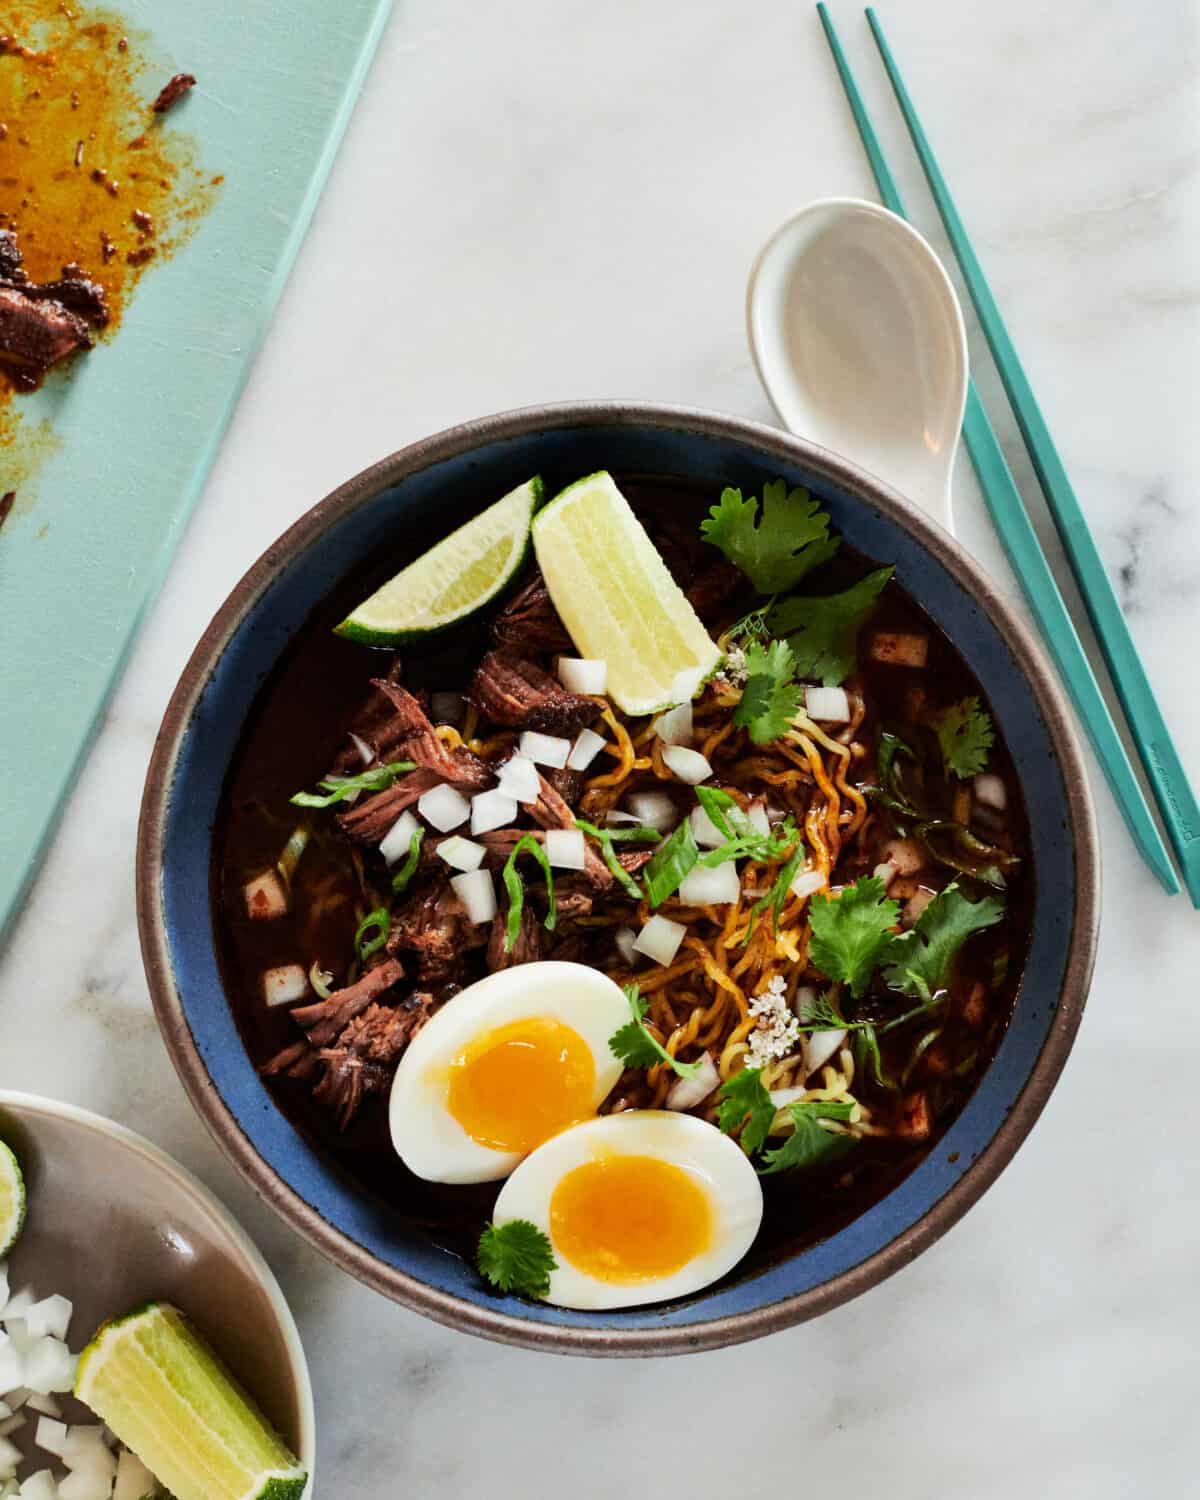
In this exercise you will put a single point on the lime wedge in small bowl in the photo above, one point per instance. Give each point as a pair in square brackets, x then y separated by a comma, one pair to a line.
[617, 598]
[12, 1200]
[453, 580]
[155, 1383]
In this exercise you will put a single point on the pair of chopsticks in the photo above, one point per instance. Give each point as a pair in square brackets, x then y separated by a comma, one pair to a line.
[1159, 758]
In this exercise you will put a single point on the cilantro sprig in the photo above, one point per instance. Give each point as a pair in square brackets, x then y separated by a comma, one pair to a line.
[633, 1044]
[511, 876]
[851, 933]
[775, 552]
[744, 1104]
[338, 788]
[822, 630]
[921, 961]
[771, 697]
[810, 1142]
[966, 734]
[516, 1257]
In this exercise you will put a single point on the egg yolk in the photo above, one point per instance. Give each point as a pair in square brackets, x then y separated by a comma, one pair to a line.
[630, 1218]
[517, 1086]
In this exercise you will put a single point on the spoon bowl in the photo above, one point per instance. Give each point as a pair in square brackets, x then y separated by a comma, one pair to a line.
[858, 338]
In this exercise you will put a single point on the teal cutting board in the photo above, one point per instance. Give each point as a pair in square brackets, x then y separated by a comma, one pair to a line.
[139, 420]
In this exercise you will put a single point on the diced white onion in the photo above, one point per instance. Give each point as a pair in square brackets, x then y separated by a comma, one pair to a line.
[689, 765]
[655, 809]
[588, 744]
[624, 938]
[807, 883]
[991, 791]
[906, 854]
[518, 778]
[49, 1365]
[781, 1098]
[85, 1484]
[365, 752]
[265, 896]
[565, 848]
[704, 830]
[447, 708]
[477, 894]
[444, 806]
[886, 872]
[581, 674]
[52, 1315]
[462, 854]
[819, 1047]
[830, 705]
[47, 1405]
[544, 749]
[757, 813]
[398, 839]
[686, 1093]
[718, 886]
[675, 726]
[51, 1436]
[134, 1479]
[492, 809]
[12, 1424]
[39, 1486]
[283, 985]
[659, 939]
[615, 817]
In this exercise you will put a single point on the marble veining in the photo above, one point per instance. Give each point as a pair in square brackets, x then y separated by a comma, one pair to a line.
[559, 200]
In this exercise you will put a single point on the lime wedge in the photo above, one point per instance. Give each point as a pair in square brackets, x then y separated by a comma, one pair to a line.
[12, 1200]
[452, 580]
[617, 598]
[170, 1400]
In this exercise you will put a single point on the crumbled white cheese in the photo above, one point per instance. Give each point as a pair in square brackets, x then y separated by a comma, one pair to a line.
[733, 668]
[778, 1030]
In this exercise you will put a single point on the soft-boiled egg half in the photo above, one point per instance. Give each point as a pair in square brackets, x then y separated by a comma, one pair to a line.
[638, 1207]
[504, 1065]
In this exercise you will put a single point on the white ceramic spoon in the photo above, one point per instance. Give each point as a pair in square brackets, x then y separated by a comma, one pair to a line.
[859, 340]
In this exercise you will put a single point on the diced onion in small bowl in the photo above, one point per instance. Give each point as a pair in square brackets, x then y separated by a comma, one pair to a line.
[757, 813]
[284, 985]
[265, 896]
[588, 744]
[565, 848]
[991, 791]
[518, 778]
[819, 1047]
[675, 727]
[718, 886]
[544, 749]
[686, 1093]
[51, 1436]
[492, 809]
[398, 839]
[655, 809]
[704, 830]
[807, 883]
[689, 765]
[447, 708]
[828, 705]
[50, 1316]
[624, 938]
[444, 806]
[133, 1478]
[581, 674]
[659, 939]
[461, 853]
[477, 894]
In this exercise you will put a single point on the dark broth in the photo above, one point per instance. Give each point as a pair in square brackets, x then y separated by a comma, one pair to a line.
[298, 725]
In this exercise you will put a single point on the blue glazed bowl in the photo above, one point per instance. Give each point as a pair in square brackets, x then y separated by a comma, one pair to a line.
[427, 489]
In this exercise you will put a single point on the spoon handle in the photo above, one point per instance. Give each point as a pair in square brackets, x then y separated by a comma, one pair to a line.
[1024, 551]
[1164, 769]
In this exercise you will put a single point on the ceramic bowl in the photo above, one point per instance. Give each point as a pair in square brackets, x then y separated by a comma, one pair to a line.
[113, 1222]
[399, 507]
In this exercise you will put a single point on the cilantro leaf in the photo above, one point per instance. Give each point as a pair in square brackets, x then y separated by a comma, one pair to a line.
[771, 696]
[516, 1257]
[636, 1048]
[670, 862]
[338, 788]
[822, 630]
[775, 554]
[966, 734]
[851, 933]
[921, 959]
[809, 1142]
[743, 1102]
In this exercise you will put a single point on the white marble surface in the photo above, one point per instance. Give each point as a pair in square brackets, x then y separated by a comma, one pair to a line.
[556, 199]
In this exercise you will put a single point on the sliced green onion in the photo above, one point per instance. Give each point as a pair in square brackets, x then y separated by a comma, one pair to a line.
[776, 897]
[516, 891]
[411, 860]
[372, 932]
[320, 979]
[290, 857]
[605, 840]
[671, 861]
[338, 788]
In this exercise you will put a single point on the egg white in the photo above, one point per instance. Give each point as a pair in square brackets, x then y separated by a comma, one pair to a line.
[714, 1161]
[427, 1137]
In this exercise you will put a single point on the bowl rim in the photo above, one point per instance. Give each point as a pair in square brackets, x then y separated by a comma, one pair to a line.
[399, 1285]
[190, 1186]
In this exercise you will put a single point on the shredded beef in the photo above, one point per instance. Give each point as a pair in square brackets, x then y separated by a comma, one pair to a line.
[10, 257]
[371, 818]
[434, 927]
[326, 1018]
[550, 811]
[632, 860]
[510, 690]
[363, 1060]
[172, 92]
[34, 336]
[530, 622]
[568, 784]
[526, 950]
[500, 842]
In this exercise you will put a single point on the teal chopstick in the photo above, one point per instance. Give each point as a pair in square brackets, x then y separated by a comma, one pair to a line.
[1024, 550]
[1164, 769]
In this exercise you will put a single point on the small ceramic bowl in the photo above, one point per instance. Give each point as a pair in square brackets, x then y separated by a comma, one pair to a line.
[399, 508]
[113, 1222]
